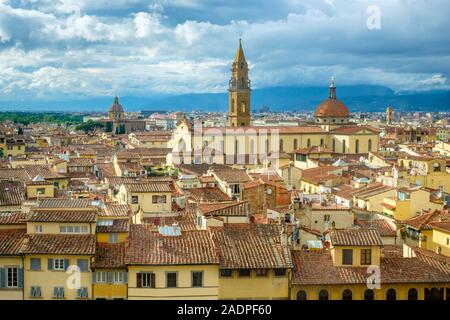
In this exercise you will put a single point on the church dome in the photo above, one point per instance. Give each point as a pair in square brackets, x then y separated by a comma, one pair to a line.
[116, 107]
[332, 107]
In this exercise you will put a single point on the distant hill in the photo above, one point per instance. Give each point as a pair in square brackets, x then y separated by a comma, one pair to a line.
[363, 98]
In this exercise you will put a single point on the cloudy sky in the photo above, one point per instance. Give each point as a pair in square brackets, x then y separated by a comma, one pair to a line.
[57, 49]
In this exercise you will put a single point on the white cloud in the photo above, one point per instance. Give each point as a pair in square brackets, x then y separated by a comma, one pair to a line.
[100, 47]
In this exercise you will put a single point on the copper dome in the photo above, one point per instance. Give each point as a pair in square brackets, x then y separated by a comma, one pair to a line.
[116, 106]
[332, 108]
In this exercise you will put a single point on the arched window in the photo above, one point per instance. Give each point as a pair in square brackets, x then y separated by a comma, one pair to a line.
[267, 146]
[321, 142]
[357, 146]
[295, 144]
[301, 295]
[347, 295]
[233, 106]
[369, 145]
[391, 294]
[334, 145]
[308, 143]
[343, 146]
[281, 144]
[252, 146]
[323, 295]
[243, 106]
[413, 294]
[369, 294]
[236, 147]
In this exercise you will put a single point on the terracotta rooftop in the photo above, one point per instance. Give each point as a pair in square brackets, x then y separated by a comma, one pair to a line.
[11, 241]
[316, 268]
[209, 194]
[149, 187]
[12, 193]
[115, 210]
[110, 255]
[232, 175]
[151, 248]
[60, 244]
[381, 225]
[223, 209]
[355, 237]
[87, 216]
[251, 246]
[423, 221]
[11, 218]
[64, 203]
[118, 226]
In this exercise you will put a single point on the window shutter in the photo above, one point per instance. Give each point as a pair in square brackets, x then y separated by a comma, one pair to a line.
[153, 280]
[83, 265]
[55, 292]
[50, 264]
[139, 280]
[38, 291]
[66, 264]
[2, 278]
[20, 277]
[94, 277]
[35, 264]
[125, 277]
[109, 277]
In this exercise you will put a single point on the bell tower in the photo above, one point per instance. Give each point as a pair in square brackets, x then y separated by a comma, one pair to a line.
[239, 91]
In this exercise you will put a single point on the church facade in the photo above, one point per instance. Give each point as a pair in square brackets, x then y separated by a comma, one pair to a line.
[246, 144]
[118, 123]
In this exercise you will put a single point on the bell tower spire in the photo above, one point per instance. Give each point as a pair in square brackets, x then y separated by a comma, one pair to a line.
[239, 91]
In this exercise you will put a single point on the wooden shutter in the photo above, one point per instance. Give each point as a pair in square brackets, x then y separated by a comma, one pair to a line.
[139, 280]
[125, 277]
[20, 277]
[66, 264]
[2, 278]
[83, 264]
[152, 275]
[50, 264]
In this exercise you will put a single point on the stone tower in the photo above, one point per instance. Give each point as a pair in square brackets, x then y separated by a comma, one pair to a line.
[389, 115]
[239, 91]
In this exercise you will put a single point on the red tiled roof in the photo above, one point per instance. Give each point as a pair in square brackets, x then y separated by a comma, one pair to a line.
[119, 225]
[11, 241]
[8, 218]
[251, 246]
[110, 255]
[223, 209]
[355, 237]
[209, 194]
[12, 193]
[316, 268]
[381, 225]
[60, 244]
[422, 222]
[151, 248]
[88, 216]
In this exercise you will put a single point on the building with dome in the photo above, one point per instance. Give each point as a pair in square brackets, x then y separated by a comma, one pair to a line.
[118, 123]
[331, 131]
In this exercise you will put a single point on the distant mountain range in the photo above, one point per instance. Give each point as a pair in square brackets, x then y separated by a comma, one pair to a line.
[362, 98]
